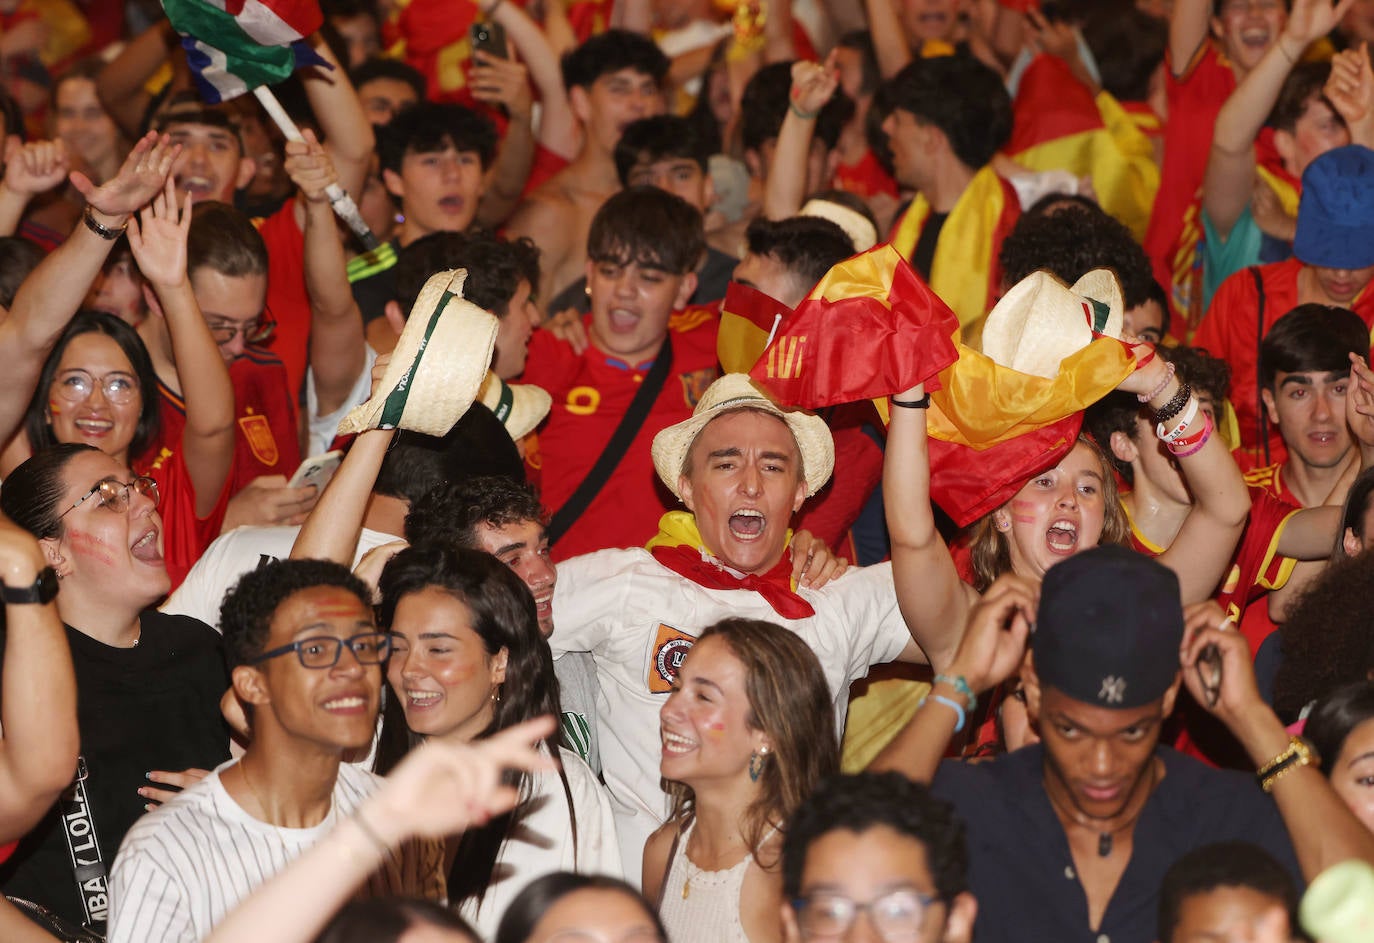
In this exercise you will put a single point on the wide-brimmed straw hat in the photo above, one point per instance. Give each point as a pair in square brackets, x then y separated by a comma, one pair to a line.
[520, 406]
[1040, 321]
[438, 366]
[736, 391]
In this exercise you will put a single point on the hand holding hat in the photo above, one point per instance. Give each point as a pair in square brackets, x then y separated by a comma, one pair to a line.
[437, 367]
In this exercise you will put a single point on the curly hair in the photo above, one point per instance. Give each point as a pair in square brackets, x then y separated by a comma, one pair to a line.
[503, 617]
[990, 549]
[1326, 638]
[245, 616]
[1072, 241]
[859, 802]
[450, 514]
[430, 127]
[789, 700]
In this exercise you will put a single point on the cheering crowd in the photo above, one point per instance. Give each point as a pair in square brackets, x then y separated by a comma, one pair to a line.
[709, 471]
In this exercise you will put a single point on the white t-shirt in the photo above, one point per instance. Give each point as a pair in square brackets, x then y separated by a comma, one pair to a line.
[236, 553]
[323, 429]
[543, 843]
[638, 618]
[183, 867]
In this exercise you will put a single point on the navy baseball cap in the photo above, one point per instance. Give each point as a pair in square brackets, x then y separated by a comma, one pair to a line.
[1109, 628]
[1336, 212]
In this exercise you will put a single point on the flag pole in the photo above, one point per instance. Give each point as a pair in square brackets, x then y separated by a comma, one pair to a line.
[343, 204]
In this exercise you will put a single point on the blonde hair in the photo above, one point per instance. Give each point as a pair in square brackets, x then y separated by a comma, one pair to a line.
[990, 549]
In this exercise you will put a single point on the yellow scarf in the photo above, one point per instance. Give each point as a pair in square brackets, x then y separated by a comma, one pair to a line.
[963, 260]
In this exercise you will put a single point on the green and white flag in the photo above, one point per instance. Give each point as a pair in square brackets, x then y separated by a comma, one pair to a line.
[235, 46]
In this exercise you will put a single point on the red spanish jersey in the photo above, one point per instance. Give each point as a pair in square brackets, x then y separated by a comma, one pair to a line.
[287, 300]
[591, 392]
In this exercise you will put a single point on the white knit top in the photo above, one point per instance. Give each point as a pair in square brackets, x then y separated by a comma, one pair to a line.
[709, 910]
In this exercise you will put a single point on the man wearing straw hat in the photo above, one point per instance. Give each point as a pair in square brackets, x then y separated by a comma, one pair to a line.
[742, 465]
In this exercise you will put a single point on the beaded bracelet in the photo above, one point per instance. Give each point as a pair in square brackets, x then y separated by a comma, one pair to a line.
[1175, 404]
[960, 684]
[1178, 431]
[1168, 375]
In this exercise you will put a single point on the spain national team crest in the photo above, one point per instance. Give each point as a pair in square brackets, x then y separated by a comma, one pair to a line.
[665, 658]
[257, 432]
[694, 384]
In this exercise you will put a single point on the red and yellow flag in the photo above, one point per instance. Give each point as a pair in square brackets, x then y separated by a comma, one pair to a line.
[869, 329]
[1059, 125]
[747, 319]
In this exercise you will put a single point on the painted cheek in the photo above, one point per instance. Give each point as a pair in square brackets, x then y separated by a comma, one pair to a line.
[86, 545]
[54, 407]
[715, 730]
[1023, 518]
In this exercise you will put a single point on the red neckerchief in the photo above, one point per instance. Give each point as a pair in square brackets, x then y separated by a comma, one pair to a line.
[775, 586]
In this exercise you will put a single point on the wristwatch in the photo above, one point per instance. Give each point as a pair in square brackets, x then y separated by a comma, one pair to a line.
[42, 591]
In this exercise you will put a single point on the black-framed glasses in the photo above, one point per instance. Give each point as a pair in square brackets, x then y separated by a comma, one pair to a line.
[323, 651]
[113, 494]
[254, 332]
[76, 386]
[897, 916]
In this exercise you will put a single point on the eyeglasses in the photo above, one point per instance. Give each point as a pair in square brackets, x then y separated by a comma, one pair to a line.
[254, 332]
[113, 494]
[75, 386]
[897, 916]
[323, 651]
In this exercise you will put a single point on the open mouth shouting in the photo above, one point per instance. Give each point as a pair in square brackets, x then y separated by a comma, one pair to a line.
[146, 548]
[199, 186]
[747, 524]
[1062, 537]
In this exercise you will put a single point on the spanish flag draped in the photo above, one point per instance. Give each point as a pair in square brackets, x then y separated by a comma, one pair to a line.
[870, 328]
[1059, 125]
[965, 272]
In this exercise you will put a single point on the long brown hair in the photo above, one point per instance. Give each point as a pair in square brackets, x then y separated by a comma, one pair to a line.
[790, 701]
[990, 550]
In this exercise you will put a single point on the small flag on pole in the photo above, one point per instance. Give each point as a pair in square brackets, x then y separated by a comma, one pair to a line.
[235, 46]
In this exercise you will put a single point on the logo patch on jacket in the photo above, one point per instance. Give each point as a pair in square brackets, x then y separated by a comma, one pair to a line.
[670, 648]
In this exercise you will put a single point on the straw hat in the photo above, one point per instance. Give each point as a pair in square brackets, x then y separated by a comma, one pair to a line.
[438, 366]
[1039, 321]
[520, 406]
[736, 391]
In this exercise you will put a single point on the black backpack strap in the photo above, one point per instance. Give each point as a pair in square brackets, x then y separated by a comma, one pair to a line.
[1259, 381]
[630, 424]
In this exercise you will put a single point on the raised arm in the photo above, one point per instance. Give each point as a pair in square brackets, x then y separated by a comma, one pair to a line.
[55, 290]
[929, 591]
[889, 39]
[1350, 89]
[439, 790]
[1322, 828]
[558, 129]
[332, 529]
[813, 84]
[1201, 552]
[38, 705]
[990, 651]
[30, 169]
[1230, 177]
[121, 84]
[505, 83]
[158, 243]
[347, 133]
[338, 350]
[1189, 25]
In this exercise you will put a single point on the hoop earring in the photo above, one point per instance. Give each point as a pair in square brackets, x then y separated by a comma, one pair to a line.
[756, 761]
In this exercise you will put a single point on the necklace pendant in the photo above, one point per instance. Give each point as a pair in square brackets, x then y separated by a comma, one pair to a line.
[1104, 845]
[686, 888]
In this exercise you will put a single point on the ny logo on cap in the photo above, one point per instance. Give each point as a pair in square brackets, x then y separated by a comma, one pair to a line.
[1113, 690]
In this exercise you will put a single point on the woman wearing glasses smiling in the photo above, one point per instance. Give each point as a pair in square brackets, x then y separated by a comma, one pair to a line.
[148, 684]
[98, 387]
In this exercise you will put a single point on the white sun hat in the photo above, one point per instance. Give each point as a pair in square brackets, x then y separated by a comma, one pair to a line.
[1040, 321]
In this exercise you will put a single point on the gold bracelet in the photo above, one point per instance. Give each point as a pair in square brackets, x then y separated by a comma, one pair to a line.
[1299, 753]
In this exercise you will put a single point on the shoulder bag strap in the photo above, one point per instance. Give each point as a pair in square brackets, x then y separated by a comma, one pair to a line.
[83, 848]
[1259, 374]
[630, 424]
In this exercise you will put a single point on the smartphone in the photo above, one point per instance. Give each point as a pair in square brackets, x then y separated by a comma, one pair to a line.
[316, 470]
[489, 38]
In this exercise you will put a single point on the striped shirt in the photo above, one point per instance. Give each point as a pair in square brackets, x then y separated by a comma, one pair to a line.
[183, 867]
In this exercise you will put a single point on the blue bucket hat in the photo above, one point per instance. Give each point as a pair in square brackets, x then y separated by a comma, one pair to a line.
[1336, 212]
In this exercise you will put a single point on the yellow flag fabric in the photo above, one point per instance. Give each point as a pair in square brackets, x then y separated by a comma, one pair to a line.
[966, 255]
